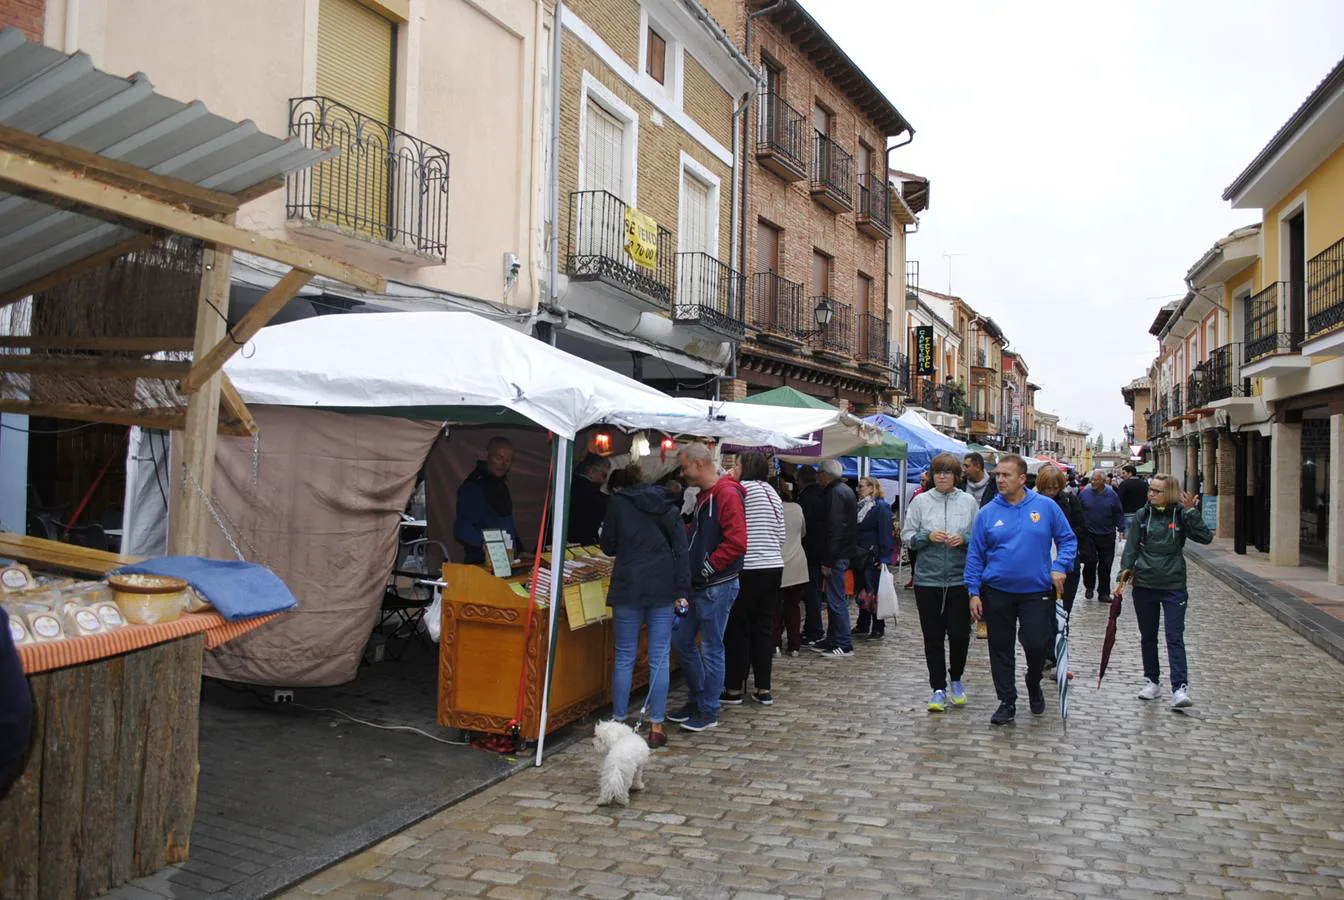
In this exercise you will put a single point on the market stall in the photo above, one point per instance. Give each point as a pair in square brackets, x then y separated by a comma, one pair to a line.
[497, 647]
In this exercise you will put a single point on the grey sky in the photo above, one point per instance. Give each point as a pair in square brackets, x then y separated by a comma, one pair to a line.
[1078, 153]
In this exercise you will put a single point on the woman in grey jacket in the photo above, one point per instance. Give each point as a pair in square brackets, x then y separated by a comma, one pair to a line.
[938, 526]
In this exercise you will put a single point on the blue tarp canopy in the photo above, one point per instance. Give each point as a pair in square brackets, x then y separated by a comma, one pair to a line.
[923, 443]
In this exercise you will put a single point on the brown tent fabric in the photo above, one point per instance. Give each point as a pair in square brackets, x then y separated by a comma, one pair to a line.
[323, 514]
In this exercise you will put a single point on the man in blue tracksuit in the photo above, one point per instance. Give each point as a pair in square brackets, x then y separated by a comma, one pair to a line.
[1012, 579]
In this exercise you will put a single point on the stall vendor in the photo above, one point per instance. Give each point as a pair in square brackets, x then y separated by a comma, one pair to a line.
[16, 710]
[484, 502]
[587, 503]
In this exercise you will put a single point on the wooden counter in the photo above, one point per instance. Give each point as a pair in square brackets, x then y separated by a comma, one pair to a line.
[58, 556]
[482, 655]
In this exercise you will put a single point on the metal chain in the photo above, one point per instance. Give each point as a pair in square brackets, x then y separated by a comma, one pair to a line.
[256, 457]
[220, 520]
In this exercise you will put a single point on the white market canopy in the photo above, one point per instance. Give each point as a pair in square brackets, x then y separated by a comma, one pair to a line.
[832, 433]
[460, 367]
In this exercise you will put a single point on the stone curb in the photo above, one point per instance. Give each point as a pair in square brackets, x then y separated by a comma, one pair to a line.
[1321, 628]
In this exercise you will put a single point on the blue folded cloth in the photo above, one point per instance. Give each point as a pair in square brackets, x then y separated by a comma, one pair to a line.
[237, 590]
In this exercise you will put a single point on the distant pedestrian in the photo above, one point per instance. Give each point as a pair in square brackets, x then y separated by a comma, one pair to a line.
[938, 524]
[652, 574]
[717, 544]
[747, 642]
[1133, 493]
[812, 500]
[793, 584]
[875, 540]
[979, 484]
[1155, 555]
[1012, 580]
[841, 543]
[1105, 520]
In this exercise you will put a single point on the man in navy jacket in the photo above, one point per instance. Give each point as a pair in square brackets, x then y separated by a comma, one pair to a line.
[1105, 518]
[1013, 580]
[484, 502]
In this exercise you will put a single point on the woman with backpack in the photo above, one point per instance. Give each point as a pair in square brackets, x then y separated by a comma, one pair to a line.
[1155, 557]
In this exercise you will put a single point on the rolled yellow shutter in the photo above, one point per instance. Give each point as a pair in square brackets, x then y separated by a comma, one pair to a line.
[354, 57]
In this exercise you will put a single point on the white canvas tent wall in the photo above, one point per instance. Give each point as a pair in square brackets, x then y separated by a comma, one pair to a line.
[462, 368]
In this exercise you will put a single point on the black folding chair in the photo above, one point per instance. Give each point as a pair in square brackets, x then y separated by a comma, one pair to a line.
[406, 597]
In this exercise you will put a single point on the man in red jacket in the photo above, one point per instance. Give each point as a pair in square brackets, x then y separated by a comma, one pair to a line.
[718, 544]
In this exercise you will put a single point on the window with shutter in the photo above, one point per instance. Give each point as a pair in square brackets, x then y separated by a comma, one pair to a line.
[604, 148]
[697, 229]
[656, 53]
[354, 68]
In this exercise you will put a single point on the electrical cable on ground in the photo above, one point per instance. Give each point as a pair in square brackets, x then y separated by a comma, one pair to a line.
[410, 728]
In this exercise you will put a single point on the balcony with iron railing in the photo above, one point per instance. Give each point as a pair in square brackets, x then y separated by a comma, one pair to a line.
[832, 174]
[1175, 408]
[1223, 376]
[874, 214]
[382, 185]
[1264, 335]
[712, 294]
[870, 349]
[778, 311]
[900, 371]
[1325, 291]
[926, 393]
[781, 137]
[980, 360]
[1196, 390]
[598, 254]
[836, 337]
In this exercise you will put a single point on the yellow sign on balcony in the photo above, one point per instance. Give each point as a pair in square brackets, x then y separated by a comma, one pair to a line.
[641, 238]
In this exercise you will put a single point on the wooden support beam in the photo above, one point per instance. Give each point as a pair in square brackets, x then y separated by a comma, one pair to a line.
[74, 270]
[247, 195]
[246, 329]
[168, 419]
[94, 366]
[99, 344]
[79, 161]
[117, 202]
[189, 517]
[231, 402]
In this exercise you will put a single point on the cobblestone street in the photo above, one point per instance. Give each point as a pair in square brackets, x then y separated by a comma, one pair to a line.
[847, 787]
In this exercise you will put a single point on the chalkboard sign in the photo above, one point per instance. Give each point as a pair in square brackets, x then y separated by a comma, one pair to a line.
[1210, 509]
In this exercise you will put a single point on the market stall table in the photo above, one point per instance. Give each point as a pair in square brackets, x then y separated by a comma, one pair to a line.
[109, 793]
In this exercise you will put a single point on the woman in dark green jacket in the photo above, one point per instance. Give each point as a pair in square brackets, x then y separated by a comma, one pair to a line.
[1155, 557]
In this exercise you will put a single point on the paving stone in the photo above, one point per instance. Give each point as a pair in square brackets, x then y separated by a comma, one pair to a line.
[848, 788]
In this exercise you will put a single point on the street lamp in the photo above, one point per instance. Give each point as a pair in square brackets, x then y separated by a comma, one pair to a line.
[1198, 377]
[824, 311]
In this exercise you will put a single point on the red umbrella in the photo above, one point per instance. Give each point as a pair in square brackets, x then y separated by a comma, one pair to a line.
[1109, 640]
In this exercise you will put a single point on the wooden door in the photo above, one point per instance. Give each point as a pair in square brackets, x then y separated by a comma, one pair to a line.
[767, 266]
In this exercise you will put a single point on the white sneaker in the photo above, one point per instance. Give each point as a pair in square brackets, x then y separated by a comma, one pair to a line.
[1180, 698]
[1151, 691]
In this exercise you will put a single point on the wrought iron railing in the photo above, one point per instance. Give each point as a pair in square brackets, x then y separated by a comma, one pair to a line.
[1224, 374]
[597, 241]
[874, 201]
[926, 393]
[1196, 394]
[943, 398]
[838, 335]
[777, 306]
[832, 168]
[1174, 405]
[872, 340]
[781, 130]
[382, 184]
[1325, 290]
[712, 293]
[1264, 335]
[900, 371]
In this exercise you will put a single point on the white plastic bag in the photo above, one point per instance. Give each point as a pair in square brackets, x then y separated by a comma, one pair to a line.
[433, 620]
[888, 607]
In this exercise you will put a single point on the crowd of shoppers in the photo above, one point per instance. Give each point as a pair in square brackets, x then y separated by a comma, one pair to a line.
[766, 565]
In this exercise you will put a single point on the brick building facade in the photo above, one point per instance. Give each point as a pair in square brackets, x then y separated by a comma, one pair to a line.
[26, 15]
[819, 214]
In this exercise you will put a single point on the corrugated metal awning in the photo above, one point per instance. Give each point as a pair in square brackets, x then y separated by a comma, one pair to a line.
[63, 98]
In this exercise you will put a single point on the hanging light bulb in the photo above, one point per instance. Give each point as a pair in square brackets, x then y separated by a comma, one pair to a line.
[602, 442]
[667, 446]
[639, 445]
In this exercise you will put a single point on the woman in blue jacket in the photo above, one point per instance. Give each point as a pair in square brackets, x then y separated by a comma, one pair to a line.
[875, 543]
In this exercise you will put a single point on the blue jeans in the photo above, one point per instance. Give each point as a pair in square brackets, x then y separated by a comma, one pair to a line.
[837, 607]
[625, 624]
[702, 667]
[1149, 606]
[812, 627]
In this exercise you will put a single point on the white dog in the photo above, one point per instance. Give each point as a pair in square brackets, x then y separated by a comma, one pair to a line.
[625, 754]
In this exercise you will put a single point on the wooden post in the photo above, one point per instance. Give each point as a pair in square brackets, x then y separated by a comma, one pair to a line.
[189, 522]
